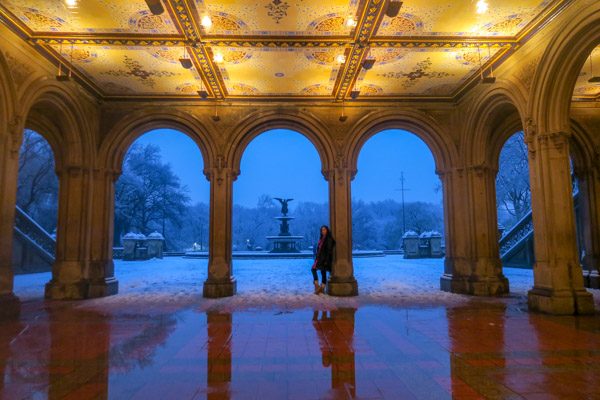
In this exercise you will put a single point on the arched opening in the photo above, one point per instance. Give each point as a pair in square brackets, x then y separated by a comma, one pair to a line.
[280, 201]
[513, 206]
[161, 213]
[585, 118]
[397, 213]
[36, 214]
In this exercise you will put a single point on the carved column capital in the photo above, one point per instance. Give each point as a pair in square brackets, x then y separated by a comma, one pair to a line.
[219, 171]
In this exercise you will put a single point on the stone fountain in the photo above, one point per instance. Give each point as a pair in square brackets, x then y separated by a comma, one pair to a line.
[285, 242]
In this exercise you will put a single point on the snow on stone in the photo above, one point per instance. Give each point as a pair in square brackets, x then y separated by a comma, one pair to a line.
[281, 284]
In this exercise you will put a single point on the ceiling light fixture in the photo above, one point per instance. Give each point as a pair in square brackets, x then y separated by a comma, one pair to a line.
[71, 3]
[185, 62]
[202, 92]
[206, 22]
[340, 59]
[350, 22]
[488, 79]
[482, 6]
[393, 8]
[343, 117]
[354, 93]
[155, 6]
[67, 76]
[368, 63]
[215, 117]
[593, 79]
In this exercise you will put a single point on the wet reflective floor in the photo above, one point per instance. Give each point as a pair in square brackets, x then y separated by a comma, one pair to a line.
[481, 349]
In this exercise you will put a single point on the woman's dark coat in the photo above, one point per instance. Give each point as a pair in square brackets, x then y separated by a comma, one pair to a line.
[325, 255]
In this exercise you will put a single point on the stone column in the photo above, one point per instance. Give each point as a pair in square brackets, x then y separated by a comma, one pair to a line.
[72, 239]
[342, 281]
[10, 141]
[220, 281]
[101, 271]
[589, 203]
[472, 264]
[558, 279]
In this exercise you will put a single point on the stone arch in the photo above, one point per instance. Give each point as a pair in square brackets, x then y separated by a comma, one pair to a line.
[582, 147]
[52, 110]
[7, 91]
[554, 79]
[420, 124]
[303, 123]
[127, 130]
[496, 116]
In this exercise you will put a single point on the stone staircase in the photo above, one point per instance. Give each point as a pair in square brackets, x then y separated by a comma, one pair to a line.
[516, 244]
[33, 247]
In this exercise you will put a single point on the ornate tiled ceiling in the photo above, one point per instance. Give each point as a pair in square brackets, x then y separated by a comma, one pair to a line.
[252, 49]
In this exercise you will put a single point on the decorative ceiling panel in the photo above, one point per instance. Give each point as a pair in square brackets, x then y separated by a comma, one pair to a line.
[279, 48]
[90, 16]
[125, 71]
[278, 17]
[434, 72]
[460, 18]
[584, 89]
[279, 72]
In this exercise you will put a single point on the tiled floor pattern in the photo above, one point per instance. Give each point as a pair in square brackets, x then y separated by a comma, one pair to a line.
[484, 349]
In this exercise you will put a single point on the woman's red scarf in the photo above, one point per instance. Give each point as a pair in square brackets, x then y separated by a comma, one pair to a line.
[321, 240]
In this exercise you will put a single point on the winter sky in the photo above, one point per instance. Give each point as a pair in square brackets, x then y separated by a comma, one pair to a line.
[283, 163]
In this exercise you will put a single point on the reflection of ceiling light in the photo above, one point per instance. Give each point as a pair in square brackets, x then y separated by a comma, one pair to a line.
[393, 8]
[350, 22]
[218, 58]
[340, 59]
[155, 7]
[206, 22]
[482, 6]
[71, 3]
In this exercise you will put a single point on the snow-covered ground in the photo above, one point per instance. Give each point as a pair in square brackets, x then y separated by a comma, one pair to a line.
[282, 284]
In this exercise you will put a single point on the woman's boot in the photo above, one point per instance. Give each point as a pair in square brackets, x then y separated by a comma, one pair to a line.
[322, 288]
[317, 287]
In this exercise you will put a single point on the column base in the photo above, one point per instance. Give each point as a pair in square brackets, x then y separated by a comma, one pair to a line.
[564, 302]
[66, 291]
[10, 306]
[591, 280]
[475, 286]
[103, 288]
[342, 287]
[215, 289]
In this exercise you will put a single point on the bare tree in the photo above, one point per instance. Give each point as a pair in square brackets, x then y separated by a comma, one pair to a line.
[513, 194]
[37, 188]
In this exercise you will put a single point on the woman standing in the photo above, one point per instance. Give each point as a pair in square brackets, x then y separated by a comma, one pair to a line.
[323, 259]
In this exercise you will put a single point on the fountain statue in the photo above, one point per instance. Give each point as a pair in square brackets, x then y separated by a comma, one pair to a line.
[285, 242]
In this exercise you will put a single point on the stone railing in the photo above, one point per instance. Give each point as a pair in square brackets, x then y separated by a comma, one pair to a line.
[519, 233]
[29, 230]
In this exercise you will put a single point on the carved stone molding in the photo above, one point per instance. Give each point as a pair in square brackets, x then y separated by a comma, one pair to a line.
[19, 70]
[15, 130]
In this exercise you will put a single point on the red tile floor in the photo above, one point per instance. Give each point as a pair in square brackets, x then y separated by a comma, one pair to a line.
[484, 349]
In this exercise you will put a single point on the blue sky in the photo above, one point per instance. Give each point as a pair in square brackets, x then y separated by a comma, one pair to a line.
[283, 163]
